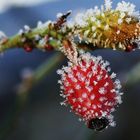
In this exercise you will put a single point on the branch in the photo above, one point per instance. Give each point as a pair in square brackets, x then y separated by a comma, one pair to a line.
[93, 29]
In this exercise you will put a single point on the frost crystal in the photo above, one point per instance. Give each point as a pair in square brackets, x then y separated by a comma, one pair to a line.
[127, 7]
[108, 4]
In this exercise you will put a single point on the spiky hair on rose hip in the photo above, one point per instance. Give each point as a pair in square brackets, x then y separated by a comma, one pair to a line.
[106, 27]
[90, 90]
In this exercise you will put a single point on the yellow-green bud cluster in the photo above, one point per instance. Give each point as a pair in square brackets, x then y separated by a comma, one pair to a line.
[108, 28]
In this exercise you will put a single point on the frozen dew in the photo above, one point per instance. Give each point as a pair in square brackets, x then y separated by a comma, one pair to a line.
[102, 90]
[60, 72]
[118, 32]
[59, 82]
[80, 119]
[99, 77]
[106, 84]
[42, 25]
[113, 75]
[39, 24]
[122, 15]
[93, 28]
[128, 8]
[102, 99]
[108, 4]
[63, 104]
[84, 95]
[88, 104]
[89, 88]
[94, 106]
[119, 100]
[77, 86]
[120, 21]
[80, 100]
[128, 20]
[42, 42]
[79, 20]
[92, 97]
[113, 124]
[106, 27]
[71, 91]
[84, 109]
[37, 37]
[27, 28]
[95, 83]
[21, 32]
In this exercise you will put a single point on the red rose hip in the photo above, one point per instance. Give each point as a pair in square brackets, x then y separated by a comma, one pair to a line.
[90, 90]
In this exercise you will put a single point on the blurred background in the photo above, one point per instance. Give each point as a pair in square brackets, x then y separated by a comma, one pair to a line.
[41, 117]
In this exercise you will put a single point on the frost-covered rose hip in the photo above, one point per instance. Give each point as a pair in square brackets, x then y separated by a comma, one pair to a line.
[90, 90]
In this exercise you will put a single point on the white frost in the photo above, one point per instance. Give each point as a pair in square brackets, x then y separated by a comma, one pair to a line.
[127, 7]
[108, 4]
